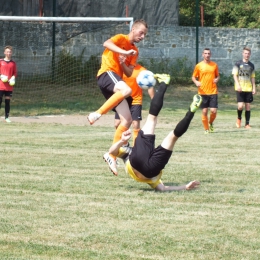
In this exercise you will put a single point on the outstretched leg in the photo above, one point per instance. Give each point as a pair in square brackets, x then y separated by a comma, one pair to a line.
[156, 104]
[170, 140]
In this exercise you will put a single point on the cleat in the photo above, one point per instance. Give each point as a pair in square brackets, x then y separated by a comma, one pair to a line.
[166, 78]
[93, 117]
[197, 99]
[211, 128]
[7, 120]
[238, 123]
[206, 132]
[111, 163]
[247, 126]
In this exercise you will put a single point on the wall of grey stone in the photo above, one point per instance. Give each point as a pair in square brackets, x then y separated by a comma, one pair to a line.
[33, 42]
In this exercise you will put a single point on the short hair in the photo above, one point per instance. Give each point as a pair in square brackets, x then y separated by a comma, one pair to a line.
[8, 47]
[207, 49]
[140, 21]
[247, 49]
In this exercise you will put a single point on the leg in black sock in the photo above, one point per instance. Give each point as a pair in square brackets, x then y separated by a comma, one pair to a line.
[157, 101]
[183, 125]
[7, 108]
[247, 116]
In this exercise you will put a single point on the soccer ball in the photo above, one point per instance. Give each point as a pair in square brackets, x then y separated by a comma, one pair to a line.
[145, 79]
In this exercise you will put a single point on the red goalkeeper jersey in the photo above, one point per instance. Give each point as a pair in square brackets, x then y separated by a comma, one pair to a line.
[7, 68]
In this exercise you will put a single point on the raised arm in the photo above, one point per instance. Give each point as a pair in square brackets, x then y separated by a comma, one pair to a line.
[109, 44]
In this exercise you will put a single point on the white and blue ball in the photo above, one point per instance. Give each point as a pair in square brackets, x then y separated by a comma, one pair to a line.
[145, 79]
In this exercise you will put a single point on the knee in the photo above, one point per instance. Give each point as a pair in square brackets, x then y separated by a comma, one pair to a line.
[127, 91]
[127, 121]
[123, 88]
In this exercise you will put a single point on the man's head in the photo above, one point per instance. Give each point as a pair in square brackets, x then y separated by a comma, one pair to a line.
[138, 31]
[246, 53]
[206, 54]
[8, 52]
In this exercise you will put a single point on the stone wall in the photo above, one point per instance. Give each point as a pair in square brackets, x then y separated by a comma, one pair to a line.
[34, 41]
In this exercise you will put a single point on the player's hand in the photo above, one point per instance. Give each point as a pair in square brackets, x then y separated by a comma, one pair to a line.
[239, 89]
[126, 135]
[198, 83]
[193, 185]
[130, 52]
[121, 58]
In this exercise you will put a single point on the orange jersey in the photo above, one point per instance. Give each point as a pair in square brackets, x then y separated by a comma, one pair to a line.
[137, 92]
[110, 59]
[205, 73]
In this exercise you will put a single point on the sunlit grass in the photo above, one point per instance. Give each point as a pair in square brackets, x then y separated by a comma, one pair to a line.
[59, 200]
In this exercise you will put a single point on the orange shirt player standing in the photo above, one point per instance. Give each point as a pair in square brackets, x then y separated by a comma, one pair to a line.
[205, 76]
[110, 81]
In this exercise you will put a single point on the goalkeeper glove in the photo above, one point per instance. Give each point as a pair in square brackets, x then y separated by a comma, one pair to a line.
[12, 81]
[4, 78]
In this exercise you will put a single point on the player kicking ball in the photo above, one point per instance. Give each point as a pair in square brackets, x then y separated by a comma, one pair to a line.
[144, 162]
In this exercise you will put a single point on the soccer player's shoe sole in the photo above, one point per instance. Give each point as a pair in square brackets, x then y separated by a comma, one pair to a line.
[166, 78]
[111, 163]
[197, 99]
[7, 120]
[238, 123]
[93, 117]
[206, 132]
[247, 126]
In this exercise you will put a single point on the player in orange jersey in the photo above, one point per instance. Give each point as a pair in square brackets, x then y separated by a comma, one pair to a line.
[205, 76]
[244, 78]
[136, 105]
[8, 72]
[120, 56]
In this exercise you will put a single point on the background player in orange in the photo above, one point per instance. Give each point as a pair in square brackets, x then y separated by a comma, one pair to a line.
[8, 72]
[244, 77]
[110, 81]
[205, 76]
[136, 105]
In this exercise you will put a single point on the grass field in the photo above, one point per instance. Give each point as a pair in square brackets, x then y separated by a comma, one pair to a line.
[60, 201]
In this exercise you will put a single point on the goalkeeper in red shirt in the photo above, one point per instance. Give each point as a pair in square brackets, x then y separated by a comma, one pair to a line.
[8, 74]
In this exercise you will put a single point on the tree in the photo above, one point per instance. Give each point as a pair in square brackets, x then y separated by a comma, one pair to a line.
[222, 13]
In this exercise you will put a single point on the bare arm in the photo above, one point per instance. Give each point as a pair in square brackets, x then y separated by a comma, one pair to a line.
[253, 84]
[235, 77]
[109, 44]
[114, 149]
[128, 70]
[190, 186]
[195, 81]
[216, 79]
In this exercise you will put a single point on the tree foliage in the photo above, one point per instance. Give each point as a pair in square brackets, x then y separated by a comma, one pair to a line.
[222, 13]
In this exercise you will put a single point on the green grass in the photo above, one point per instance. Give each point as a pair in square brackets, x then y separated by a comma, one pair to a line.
[59, 200]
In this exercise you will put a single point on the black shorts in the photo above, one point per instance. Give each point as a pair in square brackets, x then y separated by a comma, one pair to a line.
[106, 82]
[136, 112]
[6, 93]
[145, 158]
[209, 101]
[245, 97]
